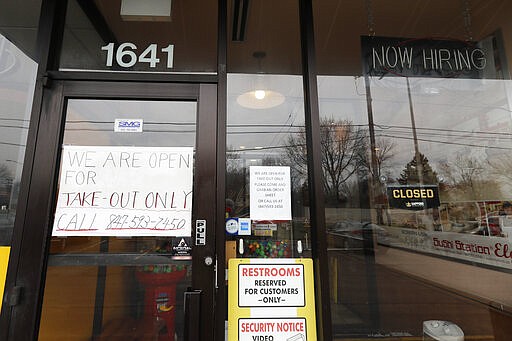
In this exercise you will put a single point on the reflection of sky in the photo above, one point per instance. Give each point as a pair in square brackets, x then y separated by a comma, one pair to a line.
[452, 116]
[261, 133]
[342, 98]
[17, 82]
[165, 123]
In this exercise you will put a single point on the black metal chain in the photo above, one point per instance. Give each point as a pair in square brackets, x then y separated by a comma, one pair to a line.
[371, 21]
[467, 20]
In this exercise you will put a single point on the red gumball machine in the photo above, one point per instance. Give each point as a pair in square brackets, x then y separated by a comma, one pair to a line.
[159, 282]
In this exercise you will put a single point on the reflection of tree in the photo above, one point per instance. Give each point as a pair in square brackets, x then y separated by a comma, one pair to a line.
[418, 168]
[237, 180]
[465, 179]
[502, 167]
[384, 152]
[236, 174]
[343, 149]
[468, 170]
[5, 185]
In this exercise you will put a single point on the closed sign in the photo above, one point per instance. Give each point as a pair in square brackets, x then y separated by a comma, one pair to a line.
[413, 197]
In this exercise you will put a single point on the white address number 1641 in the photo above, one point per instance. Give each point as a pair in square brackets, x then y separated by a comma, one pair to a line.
[126, 56]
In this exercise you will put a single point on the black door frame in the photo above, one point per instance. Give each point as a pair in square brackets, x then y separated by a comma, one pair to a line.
[49, 41]
[31, 267]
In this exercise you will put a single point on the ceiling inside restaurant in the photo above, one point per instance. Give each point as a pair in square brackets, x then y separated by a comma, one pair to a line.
[191, 28]
[274, 28]
[271, 27]
[18, 22]
[339, 25]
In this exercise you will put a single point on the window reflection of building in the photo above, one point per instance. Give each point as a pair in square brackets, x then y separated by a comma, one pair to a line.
[17, 83]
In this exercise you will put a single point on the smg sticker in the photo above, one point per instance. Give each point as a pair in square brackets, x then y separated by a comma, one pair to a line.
[128, 125]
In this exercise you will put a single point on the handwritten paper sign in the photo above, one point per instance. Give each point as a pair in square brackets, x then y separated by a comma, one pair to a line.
[270, 193]
[124, 191]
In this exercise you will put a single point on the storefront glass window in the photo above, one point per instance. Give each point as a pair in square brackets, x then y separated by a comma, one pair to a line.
[267, 207]
[17, 82]
[117, 267]
[415, 108]
[140, 36]
[266, 155]
[18, 31]
[18, 23]
[262, 141]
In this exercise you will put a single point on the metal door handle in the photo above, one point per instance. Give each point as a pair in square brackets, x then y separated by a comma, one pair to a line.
[192, 312]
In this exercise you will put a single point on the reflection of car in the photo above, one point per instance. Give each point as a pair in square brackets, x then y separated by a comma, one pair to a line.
[468, 226]
[490, 226]
[351, 234]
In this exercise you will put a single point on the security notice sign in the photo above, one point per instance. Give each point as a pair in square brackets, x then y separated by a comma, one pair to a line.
[124, 191]
[271, 299]
[292, 329]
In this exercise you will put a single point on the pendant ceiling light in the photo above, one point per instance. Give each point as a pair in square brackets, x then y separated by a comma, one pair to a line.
[260, 99]
[260, 96]
[146, 10]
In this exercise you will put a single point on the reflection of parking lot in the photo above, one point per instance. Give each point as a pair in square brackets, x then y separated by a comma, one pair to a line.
[6, 226]
[353, 234]
[488, 218]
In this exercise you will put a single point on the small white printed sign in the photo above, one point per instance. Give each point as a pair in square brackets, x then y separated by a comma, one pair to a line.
[244, 226]
[200, 232]
[270, 193]
[126, 125]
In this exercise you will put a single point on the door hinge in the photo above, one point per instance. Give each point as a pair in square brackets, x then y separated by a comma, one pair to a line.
[15, 296]
[47, 81]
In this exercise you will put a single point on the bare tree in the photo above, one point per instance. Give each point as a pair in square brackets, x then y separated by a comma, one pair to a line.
[343, 149]
[5, 185]
[236, 179]
[384, 152]
[502, 168]
[466, 178]
[468, 170]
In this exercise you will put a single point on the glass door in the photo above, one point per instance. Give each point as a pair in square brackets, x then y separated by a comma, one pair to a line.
[131, 249]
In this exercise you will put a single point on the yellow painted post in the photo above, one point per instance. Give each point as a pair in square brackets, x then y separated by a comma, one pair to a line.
[4, 260]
